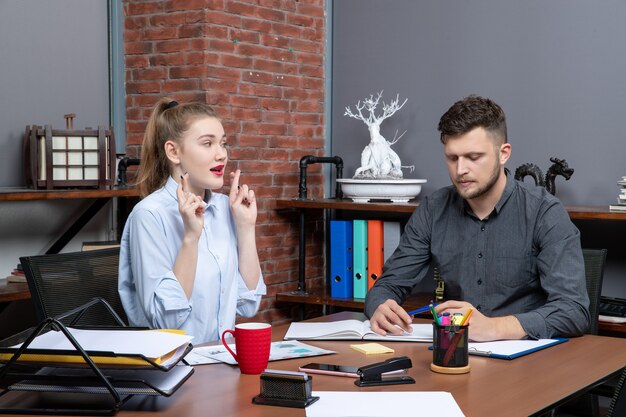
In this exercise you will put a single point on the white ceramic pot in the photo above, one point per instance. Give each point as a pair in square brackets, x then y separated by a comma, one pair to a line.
[364, 190]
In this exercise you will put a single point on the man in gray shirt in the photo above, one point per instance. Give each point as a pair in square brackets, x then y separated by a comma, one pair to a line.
[507, 249]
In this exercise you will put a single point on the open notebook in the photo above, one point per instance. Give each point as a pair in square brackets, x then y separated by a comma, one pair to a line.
[353, 330]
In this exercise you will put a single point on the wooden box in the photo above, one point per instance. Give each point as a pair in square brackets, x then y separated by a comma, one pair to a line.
[69, 158]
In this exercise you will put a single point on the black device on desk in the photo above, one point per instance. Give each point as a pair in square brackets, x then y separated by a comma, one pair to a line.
[612, 306]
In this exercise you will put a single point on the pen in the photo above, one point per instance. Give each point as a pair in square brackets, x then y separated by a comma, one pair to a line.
[466, 316]
[432, 311]
[421, 310]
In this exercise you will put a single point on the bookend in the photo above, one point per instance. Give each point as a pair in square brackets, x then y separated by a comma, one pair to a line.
[15, 375]
[371, 375]
[285, 389]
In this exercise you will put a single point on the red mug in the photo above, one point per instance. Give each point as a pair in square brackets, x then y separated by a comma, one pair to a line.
[252, 344]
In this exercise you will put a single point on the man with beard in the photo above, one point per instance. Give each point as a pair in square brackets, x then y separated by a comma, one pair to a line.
[505, 249]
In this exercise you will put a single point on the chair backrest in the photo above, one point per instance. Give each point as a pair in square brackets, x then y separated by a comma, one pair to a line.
[61, 282]
[594, 273]
[618, 402]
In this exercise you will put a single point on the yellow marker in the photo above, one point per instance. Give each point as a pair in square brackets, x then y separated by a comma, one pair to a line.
[466, 316]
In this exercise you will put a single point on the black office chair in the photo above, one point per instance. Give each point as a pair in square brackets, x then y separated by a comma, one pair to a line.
[61, 282]
[594, 274]
[618, 402]
[587, 405]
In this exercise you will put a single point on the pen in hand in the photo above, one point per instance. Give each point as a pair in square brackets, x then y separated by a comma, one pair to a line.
[421, 309]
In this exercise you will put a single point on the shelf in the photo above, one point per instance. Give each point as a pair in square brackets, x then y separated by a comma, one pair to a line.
[345, 204]
[317, 297]
[14, 291]
[575, 212]
[27, 194]
[612, 329]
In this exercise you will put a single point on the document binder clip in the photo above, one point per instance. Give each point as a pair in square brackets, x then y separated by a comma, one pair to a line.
[371, 375]
[285, 389]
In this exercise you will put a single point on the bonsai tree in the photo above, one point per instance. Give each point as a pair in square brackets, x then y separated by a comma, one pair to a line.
[378, 160]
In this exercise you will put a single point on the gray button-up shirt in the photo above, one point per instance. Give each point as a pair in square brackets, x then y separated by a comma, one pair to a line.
[524, 259]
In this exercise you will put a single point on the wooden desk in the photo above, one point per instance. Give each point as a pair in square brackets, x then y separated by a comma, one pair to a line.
[522, 387]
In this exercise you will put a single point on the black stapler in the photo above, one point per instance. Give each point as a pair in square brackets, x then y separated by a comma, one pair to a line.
[371, 375]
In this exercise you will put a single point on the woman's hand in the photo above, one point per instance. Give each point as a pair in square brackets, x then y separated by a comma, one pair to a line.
[242, 202]
[191, 207]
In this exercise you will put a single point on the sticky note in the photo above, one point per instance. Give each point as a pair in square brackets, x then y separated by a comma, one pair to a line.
[371, 348]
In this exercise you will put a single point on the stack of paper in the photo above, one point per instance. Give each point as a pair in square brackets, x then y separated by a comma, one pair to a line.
[122, 347]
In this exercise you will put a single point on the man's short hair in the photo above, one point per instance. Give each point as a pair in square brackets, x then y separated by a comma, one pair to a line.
[472, 112]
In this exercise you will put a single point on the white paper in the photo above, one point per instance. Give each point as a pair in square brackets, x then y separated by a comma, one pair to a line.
[279, 350]
[507, 347]
[383, 404]
[150, 343]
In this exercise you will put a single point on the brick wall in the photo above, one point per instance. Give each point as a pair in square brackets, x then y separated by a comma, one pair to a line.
[260, 64]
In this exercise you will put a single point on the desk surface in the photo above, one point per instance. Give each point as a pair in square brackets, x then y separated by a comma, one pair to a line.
[521, 387]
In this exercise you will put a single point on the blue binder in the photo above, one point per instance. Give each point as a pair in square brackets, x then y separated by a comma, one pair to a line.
[341, 258]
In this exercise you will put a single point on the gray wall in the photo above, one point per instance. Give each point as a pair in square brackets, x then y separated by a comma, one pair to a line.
[55, 61]
[556, 67]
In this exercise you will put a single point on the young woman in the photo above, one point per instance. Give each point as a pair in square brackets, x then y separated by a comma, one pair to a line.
[188, 257]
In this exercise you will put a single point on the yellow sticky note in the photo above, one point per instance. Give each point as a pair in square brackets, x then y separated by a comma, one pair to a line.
[371, 348]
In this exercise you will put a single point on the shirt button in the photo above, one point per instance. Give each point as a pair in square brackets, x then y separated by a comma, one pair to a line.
[480, 281]
[482, 228]
[480, 255]
[479, 307]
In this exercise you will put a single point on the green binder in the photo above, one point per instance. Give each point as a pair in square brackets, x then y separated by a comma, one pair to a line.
[359, 245]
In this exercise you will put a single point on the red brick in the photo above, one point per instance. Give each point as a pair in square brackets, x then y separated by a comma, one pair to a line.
[132, 48]
[276, 117]
[243, 36]
[288, 80]
[143, 8]
[256, 25]
[282, 142]
[243, 153]
[275, 40]
[222, 45]
[246, 114]
[199, 44]
[269, 14]
[167, 60]
[170, 86]
[252, 140]
[149, 74]
[223, 72]
[175, 45]
[191, 31]
[274, 104]
[185, 4]
[189, 72]
[216, 99]
[135, 23]
[311, 71]
[268, 66]
[300, 20]
[272, 129]
[173, 19]
[289, 31]
[160, 33]
[221, 18]
[236, 61]
[260, 90]
[311, 143]
[223, 86]
[312, 83]
[136, 61]
[257, 77]
[244, 101]
[310, 10]
[287, 5]
[310, 106]
[309, 59]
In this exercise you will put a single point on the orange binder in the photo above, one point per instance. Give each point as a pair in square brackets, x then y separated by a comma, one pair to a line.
[375, 251]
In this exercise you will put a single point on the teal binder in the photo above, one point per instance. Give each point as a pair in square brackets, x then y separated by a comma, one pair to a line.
[359, 228]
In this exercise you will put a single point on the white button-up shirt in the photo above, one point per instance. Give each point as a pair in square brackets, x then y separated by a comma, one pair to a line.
[149, 290]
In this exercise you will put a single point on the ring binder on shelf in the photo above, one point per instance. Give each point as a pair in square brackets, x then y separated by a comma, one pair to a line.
[80, 371]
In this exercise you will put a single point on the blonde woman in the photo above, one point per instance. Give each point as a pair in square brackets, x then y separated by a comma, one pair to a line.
[188, 257]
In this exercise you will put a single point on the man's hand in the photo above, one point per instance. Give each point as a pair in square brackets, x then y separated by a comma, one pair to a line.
[483, 328]
[389, 317]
